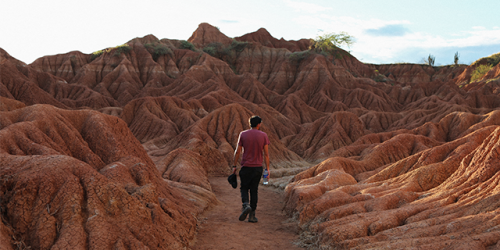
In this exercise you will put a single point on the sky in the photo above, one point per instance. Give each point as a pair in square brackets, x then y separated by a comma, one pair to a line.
[384, 31]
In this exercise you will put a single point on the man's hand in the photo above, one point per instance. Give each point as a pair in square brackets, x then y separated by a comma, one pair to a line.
[237, 153]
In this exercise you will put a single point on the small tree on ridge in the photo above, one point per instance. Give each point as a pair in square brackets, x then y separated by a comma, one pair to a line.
[331, 41]
[455, 58]
[430, 60]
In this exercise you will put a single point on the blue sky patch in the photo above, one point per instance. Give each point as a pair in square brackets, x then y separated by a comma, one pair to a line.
[388, 30]
[229, 21]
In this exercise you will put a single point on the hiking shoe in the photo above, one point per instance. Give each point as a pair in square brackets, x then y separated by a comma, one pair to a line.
[252, 218]
[245, 211]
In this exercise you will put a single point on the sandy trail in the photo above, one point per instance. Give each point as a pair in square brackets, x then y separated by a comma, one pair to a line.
[221, 229]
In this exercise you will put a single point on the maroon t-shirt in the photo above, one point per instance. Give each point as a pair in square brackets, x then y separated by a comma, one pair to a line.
[253, 142]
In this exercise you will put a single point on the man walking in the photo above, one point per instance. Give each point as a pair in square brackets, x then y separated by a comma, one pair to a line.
[253, 142]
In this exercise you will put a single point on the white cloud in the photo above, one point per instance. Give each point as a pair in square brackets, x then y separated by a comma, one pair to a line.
[390, 49]
[477, 37]
[306, 7]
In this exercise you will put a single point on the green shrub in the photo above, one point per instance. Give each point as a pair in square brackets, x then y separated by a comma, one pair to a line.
[329, 45]
[379, 77]
[493, 60]
[480, 71]
[96, 55]
[220, 51]
[226, 53]
[122, 49]
[187, 45]
[210, 50]
[297, 57]
[238, 46]
[214, 49]
[157, 49]
[331, 42]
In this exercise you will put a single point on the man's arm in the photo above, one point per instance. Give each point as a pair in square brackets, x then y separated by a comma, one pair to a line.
[266, 158]
[237, 153]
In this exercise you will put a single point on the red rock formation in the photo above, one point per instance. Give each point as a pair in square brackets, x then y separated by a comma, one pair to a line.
[64, 66]
[20, 82]
[214, 137]
[411, 190]
[398, 152]
[264, 38]
[7, 104]
[493, 73]
[206, 34]
[149, 118]
[417, 73]
[79, 179]
[29, 85]
[323, 136]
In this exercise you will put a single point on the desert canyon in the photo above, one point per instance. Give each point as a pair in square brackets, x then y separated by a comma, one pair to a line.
[114, 150]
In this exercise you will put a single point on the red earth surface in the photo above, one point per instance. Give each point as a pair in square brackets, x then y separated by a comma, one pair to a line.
[219, 227]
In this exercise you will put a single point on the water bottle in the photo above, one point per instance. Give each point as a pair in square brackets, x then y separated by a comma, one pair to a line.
[266, 177]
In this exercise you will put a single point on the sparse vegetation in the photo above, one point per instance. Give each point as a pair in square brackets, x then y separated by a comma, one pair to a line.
[331, 41]
[157, 49]
[455, 58]
[187, 45]
[238, 46]
[226, 53]
[297, 57]
[193, 61]
[402, 62]
[492, 80]
[379, 77]
[214, 49]
[124, 48]
[211, 50]
[480, 71]
[430, 60]
[493, 60]
[326, 45]
[96, 54]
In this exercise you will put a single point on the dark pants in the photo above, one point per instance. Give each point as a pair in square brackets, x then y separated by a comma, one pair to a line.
[250, 178]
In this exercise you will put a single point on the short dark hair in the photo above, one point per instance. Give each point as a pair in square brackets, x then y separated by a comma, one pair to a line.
[254, 121]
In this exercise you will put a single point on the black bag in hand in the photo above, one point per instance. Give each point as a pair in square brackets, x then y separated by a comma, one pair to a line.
[233, 180]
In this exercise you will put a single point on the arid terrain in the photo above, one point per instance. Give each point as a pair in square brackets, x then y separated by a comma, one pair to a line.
[116, 149]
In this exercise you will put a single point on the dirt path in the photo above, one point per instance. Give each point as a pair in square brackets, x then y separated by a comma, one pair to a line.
[221, 229]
